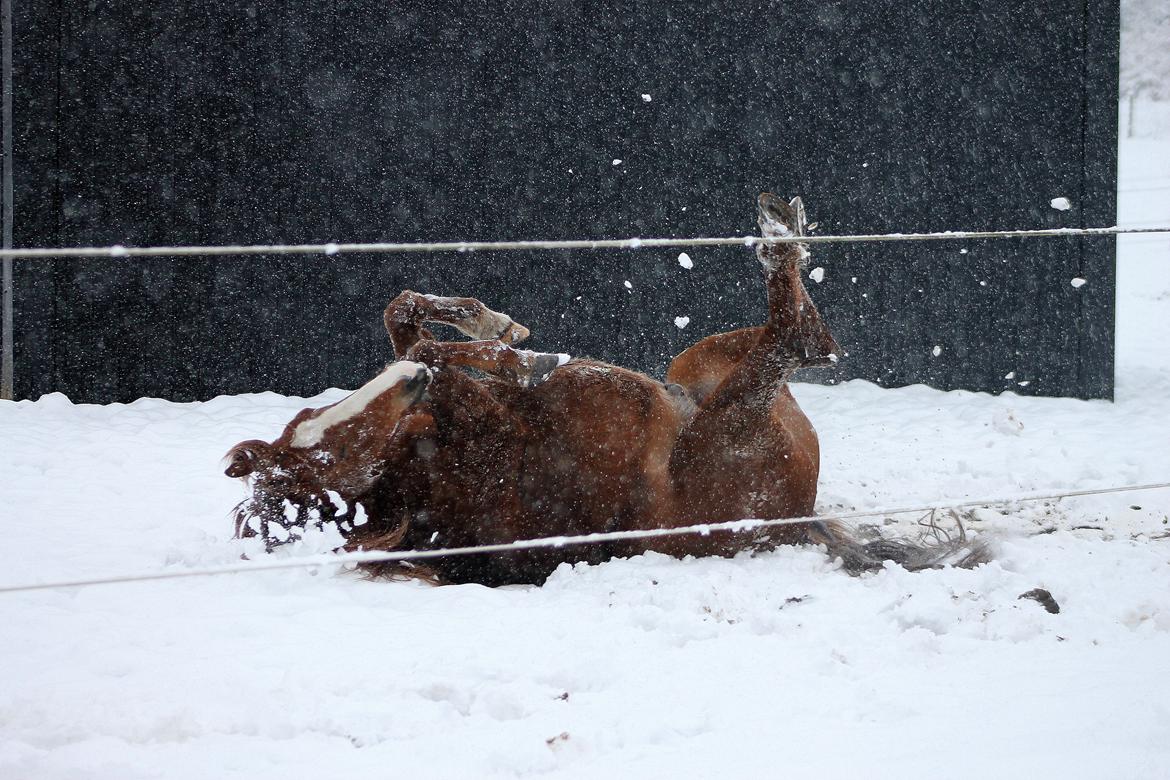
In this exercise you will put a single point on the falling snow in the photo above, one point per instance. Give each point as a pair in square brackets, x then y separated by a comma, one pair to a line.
[762, 665]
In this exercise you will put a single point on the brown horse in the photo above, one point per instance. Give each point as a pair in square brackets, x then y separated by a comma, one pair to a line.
[425, 456]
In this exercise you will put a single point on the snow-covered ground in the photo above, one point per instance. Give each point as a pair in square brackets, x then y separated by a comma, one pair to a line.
[1144, 119]
[776, 665]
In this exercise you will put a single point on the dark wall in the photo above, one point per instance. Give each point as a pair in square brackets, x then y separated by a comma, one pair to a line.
[314, 120]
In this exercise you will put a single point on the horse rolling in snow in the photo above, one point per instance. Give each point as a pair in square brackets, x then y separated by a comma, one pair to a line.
[425, 456]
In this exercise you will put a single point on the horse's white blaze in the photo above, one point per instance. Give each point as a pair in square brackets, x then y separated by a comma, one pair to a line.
[310, 432]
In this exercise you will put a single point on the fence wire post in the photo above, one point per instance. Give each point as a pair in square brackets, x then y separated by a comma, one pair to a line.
[6, 340]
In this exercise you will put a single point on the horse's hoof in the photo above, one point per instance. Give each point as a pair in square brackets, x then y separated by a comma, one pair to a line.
[513, 333]
[538, 367]
[779, 218]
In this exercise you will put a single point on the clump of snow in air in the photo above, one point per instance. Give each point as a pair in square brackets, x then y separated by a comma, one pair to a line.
[817, 274]
[681, 322]
[644, 666]
[646, 98]
[628, 284]
[1077, 282]
[1060, 204]
[685, 260]
[936, 351]
[617, 162]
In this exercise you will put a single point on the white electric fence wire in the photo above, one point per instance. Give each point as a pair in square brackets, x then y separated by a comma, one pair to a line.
[64, 253]
[705, 529]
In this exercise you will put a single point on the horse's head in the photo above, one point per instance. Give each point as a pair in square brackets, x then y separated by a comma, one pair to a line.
[327, 459]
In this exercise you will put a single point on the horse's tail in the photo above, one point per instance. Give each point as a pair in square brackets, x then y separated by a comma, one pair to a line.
[859, 556]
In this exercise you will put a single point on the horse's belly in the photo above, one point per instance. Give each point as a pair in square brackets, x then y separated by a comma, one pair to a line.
[597, 446]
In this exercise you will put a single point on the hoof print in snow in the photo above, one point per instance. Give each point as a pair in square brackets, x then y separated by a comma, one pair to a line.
[1044, 598]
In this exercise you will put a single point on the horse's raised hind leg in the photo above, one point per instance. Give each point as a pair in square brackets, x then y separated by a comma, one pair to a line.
[797, 337]
[749, 451]
[406, 315]
[794, 334]
[520, 366]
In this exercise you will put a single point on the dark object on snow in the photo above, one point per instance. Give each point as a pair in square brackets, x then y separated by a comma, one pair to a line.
[1044, 598]
[425, 456]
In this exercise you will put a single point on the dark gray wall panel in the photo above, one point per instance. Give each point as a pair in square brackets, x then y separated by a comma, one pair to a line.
[216, 122]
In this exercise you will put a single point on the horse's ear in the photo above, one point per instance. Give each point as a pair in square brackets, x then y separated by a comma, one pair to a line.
[242, 459]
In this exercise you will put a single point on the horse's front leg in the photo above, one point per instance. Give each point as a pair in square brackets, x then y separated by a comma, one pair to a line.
[406, 315]
[519, 366]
